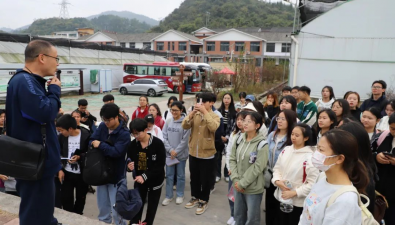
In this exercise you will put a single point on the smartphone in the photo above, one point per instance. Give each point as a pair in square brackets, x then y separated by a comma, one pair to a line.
[389, 154]
[288, 184]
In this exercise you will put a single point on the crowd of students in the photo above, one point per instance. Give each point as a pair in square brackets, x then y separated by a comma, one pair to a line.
[297, 152]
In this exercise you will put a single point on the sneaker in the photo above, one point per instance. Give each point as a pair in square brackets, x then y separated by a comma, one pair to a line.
[230, 220]
[217, 179]
[201, 207]
[226, 179]
[174, 187]
[179, 200]
[192, 203]
[167, 201]
[212, 191]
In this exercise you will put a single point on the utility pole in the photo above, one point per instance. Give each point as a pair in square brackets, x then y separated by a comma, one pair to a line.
[207, 18]
[181, 82]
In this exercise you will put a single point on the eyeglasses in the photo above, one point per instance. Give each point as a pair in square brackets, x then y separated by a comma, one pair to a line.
[136, 134]
[376, 87]
[281, 118]
[57, 58]
[106, 121]
[174, 110]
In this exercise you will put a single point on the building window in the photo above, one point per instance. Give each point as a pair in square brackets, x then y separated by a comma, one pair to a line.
[147, 45]
[270, 47]
[172, 46]
[159, 46]
[108, 43]
[216, 60]
[255, 47]
[182, 46]
[239, 46]
[286, 47]
[210, 46]
[123, 44]
[224, 46]
[132, 45]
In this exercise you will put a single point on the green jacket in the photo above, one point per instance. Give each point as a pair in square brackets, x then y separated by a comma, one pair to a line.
[307, 113]
[247, 173]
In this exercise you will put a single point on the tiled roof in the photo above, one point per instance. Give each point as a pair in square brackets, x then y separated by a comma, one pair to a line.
[189, 36]
[143, 37]
[274, 36]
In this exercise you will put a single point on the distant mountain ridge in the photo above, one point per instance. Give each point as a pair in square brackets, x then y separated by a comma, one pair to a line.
[128, 15]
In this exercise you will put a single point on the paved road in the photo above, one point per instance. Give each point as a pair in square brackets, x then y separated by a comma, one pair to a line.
[218, 211]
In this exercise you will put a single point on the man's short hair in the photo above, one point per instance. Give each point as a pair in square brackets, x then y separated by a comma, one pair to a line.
[36, 47]
[138, 125]
[149, 118]
[305, 89]
[82, 102]
[206, 97]
[109, 111]
[108, 98]
[287, 88]
[383, 84]
[296, 87]
[2, 111]
[66, 122]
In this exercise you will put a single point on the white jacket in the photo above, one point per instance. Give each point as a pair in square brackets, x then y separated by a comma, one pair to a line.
[296, 167]
[324, 105]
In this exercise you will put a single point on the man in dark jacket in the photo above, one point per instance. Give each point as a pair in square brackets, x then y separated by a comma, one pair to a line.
[113, 139]
[148, 155]
[86, 117]
[29, 106]
[74, 144]
[378, 98]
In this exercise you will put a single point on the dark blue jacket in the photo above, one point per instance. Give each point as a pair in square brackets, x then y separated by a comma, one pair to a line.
[120, 139]
[28, 105]
[380, 103]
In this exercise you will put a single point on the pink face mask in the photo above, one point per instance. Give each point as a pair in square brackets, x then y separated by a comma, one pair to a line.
[318, 160]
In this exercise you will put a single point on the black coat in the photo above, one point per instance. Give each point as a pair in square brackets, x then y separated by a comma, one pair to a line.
[84, 146]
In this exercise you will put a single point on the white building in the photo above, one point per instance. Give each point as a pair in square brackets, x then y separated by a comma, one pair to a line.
[347, 48]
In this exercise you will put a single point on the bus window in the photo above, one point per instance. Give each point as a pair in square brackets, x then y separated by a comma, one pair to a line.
[142, 70]
[166, 71]
[131, 69]
[156, 70]
[150, 70]
[173, 70]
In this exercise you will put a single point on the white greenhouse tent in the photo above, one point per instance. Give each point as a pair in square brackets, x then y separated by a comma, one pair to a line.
[347, 48]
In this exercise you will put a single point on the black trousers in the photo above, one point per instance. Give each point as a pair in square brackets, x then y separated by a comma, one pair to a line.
[58, 193]
[14, 193]
[272, 206]
[291, 218]
[152, 205]
[202, 177]
[73, 182]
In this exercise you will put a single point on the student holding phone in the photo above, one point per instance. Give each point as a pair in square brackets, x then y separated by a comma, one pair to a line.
[383, 148]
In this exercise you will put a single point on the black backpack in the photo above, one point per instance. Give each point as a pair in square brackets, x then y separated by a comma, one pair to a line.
[99, 169]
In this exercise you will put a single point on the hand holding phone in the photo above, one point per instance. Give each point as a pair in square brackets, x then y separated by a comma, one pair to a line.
[389, 154]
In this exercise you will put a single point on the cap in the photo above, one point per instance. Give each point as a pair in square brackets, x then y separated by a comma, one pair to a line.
[250, 97]
[249, 107]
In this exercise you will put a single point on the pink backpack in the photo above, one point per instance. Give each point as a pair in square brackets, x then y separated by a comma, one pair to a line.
[382, 137]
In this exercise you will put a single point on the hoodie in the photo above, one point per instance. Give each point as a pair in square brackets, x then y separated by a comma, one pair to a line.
[324, 105]
[138, 114]
[247, 164]
[176, 138]
[296, 167]
[379, 103]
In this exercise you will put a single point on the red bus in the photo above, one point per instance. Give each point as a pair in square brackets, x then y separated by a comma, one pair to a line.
[165, 71]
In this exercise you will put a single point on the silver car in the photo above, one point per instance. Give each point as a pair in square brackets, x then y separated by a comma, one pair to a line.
[149, 87]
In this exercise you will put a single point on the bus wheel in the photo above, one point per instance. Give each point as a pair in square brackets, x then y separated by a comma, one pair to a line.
[123, 91]
[175, 89]
[151, 93]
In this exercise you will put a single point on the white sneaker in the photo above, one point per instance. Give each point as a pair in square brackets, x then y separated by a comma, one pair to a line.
[212, 190]
[217, 179]
[167, 201]
[179, 200]
[231, 220]
[226, 179]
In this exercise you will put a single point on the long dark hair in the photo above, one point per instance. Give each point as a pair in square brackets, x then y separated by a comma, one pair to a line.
[346, 108]
[274, 96]
[352, 165]
[290, 99]
[364, 150]
[243, 115]
[259, 107]
[156, 107]
[307, 133]
[290, 116]
[174, 98]
[257, 118]
[332, 117]
[232, 110]
[330, 89]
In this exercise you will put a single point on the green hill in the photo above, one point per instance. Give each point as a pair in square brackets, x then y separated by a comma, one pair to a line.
[191, 15]
[104, 22]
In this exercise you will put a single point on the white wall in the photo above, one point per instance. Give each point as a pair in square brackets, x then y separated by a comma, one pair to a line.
[99, 37]
[232, 36]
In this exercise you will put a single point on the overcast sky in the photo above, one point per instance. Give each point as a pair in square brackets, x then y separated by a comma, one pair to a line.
[18, 13]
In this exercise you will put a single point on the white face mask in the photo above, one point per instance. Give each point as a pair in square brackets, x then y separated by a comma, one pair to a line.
[318, 160]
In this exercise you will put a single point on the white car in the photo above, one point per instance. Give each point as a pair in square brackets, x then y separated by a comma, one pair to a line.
[149, 87]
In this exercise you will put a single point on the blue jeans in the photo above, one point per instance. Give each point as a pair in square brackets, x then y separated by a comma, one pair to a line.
[231, 204]
[247, 208]
[170, 171]
[105, 200]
